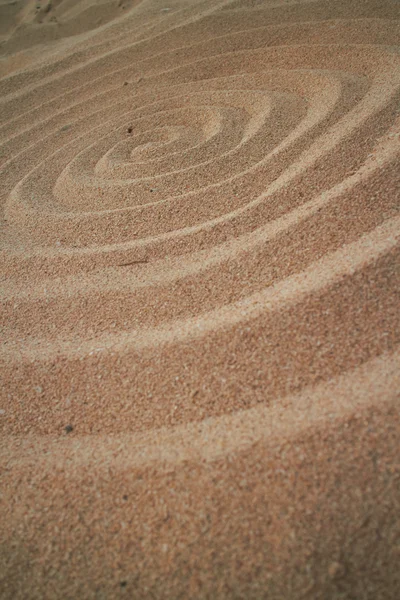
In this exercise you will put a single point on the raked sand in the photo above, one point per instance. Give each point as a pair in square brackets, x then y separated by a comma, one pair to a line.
[200, 299]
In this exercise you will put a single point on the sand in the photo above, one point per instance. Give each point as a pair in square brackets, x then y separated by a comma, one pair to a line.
[200, 292]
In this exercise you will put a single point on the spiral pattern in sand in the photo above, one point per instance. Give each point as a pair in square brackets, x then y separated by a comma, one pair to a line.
[200, 264]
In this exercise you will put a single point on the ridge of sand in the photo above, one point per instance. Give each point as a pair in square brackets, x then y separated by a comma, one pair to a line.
[200, 292]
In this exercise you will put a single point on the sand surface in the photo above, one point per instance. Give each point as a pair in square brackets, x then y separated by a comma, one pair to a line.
[200, 292]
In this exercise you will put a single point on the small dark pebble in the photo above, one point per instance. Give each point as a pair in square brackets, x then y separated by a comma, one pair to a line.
[125, 83]
[123, 583]
[130, 129]
[69, 428]
[124, 497]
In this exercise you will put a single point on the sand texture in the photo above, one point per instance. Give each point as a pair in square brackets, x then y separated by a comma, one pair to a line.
[200, 299]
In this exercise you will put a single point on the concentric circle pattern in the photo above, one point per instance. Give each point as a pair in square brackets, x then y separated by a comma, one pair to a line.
[200, 300]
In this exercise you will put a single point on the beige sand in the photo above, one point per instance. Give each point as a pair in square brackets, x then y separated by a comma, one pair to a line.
[200, 292]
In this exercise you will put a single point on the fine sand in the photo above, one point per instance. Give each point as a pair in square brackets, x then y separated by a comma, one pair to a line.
[200, 292]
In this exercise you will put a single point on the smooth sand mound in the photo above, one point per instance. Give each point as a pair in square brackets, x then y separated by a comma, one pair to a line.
[200, 277]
